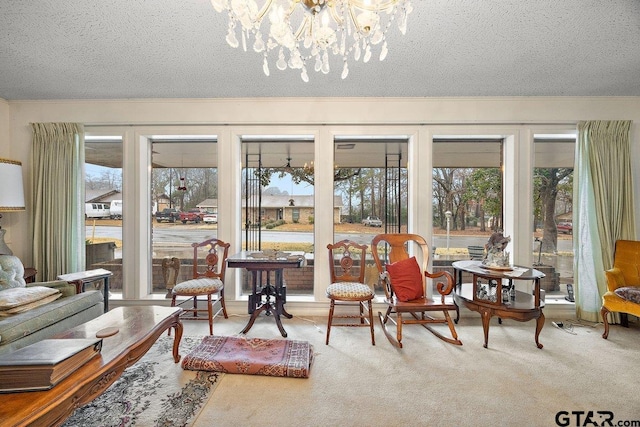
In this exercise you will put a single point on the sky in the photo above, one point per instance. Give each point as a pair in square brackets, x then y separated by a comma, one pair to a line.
[283, 184]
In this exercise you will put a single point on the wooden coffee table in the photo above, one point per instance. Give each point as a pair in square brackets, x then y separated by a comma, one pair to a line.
[138, 329]
[522, 307]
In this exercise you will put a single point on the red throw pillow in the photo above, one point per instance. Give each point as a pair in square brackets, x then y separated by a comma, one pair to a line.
[406, 279]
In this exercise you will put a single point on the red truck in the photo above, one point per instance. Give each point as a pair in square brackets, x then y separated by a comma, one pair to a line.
[192, 215]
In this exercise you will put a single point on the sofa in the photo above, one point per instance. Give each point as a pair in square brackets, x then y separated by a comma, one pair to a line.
[30, 312]
[623, 284]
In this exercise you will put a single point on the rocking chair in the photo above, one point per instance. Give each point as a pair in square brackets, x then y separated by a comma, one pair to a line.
[404, 284]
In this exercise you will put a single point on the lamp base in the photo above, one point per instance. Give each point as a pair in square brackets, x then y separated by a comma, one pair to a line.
[4, 249]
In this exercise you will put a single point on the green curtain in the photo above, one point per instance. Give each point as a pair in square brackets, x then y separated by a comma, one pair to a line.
[58, 194]
[603, 208]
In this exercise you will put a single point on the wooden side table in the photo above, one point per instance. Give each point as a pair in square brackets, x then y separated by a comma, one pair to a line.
[82, 278]
[30, 274]
[522, 307]
[258, 265]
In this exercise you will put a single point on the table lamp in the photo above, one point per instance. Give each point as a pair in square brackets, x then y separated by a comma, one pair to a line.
[11, 194]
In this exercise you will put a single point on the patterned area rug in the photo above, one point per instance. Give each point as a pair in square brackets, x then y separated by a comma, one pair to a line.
[155, 391]
[254, 356]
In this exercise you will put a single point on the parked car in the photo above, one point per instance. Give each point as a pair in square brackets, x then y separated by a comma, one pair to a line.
[372, 221]
[210, 218]
[167, 215]
[565, 227]
[192, 215]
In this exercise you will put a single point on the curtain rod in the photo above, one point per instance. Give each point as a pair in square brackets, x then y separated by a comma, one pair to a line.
[271, 124]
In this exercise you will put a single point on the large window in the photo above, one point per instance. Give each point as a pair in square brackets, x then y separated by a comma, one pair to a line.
[263, 185]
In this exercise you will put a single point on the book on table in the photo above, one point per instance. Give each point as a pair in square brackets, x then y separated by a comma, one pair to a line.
[42, 365]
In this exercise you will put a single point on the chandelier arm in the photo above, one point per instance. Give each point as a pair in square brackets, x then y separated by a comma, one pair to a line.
[353, 18]
[263, 11]
[335, 15]
[298, 33]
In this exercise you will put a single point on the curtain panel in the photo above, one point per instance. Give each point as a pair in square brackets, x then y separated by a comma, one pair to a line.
[603, 208]
[57, 195]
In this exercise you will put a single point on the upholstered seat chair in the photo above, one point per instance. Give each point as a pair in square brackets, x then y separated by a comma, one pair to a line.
[623, 284]
[209, 267]
[347, 267]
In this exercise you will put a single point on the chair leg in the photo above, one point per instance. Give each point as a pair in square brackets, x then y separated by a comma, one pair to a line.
[370, 307]
[399, 329]
[624, 320]
[173, 304]
[224, 306]
[210, 313]
[604, 313]
[330, 321]
[383, 323]
[452, 328]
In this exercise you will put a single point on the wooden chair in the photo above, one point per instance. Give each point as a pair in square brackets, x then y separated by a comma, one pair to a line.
[208, 280]
[347, 265]
[404, 277]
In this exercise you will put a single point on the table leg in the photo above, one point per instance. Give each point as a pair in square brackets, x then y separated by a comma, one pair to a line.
[539, 325]
[106, 294]
[280, 295]
[252, 320]
[280, 327]
[176, 340]
[279, 301]
[253, 298]
[459, 286]
[486, 318]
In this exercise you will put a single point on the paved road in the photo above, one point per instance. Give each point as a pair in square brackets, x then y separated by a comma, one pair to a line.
[185, 234]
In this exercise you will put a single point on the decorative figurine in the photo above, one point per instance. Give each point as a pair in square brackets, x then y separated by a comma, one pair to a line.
[496, 254]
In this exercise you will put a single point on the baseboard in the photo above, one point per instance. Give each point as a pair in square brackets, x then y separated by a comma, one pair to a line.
[552, 309]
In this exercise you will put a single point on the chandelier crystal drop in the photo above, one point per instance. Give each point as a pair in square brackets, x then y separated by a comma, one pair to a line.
[302, 33]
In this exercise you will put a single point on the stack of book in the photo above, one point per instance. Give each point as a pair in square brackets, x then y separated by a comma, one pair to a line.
[42, 365]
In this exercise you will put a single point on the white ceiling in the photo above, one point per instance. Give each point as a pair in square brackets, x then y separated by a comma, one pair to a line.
[75, 49]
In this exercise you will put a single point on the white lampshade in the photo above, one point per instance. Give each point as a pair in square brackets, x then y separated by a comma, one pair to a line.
[11, 189]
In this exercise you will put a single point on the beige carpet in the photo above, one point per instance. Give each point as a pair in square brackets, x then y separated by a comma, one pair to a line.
[432, 383]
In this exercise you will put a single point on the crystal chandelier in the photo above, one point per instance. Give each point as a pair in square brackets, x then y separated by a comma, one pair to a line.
[305, 31]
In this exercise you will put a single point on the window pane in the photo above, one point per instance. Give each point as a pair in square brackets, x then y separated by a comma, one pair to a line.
[103, 201]
[467, 197]
[184, 205]
[553, 222]
[370, 191]
[278, 203]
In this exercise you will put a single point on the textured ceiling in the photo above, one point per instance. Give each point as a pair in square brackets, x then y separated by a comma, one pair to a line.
[74, 49]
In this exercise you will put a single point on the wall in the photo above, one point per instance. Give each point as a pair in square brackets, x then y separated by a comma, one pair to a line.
[9, 220]
[426, 116]
[4, 128]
